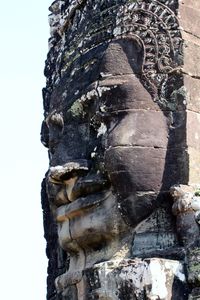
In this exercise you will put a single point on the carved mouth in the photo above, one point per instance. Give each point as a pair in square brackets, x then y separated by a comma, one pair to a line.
[80, 205]
[73, 181]
[89, 185]
[77, 189]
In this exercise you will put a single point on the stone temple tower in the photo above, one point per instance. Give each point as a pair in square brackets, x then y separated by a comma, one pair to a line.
[121, 197]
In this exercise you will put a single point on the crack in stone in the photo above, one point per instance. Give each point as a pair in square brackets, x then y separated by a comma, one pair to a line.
[189, 32]
[193, 76]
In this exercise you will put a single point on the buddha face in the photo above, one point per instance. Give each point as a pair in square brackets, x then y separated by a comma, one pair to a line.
[108, 145]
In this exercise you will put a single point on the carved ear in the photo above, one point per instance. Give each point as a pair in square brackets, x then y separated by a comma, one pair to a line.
[123, 56]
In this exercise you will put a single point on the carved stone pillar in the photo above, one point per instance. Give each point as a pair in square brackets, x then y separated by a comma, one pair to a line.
[121, 123]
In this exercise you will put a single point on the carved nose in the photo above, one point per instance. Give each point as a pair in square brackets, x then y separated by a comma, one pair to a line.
[68, 175]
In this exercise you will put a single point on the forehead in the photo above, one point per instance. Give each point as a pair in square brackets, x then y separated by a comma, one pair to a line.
[79, 55]
[112, 63]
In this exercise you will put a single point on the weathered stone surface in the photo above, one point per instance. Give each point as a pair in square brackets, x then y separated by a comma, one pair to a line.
[137, 279]
[132, 279]
[193, 130]
[195, 295]
[189, 10]
[148, 171]
[193, 266]
[121, 123]
[194, 162]
[149, 128]
[192, 56]
[192, 87]
[190, 3]
[156, 235]
[56, 256]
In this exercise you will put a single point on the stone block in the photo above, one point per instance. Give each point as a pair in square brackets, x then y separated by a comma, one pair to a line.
[193, 165]
[147, 128]
[192, 86]
[191, 51]
[193, 130]
[145, 168]
[194, 266]
[125, 92]
[188, 13]
[190, 4]
[138, 128]
[152, 278]
[195, 295]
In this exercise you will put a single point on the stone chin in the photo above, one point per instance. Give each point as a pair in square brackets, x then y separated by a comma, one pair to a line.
[91, 222]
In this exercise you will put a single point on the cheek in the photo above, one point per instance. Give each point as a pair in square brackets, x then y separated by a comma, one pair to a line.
[136, 151]
[145, 151]
[138, 128]
[134, 169]
[136, 176]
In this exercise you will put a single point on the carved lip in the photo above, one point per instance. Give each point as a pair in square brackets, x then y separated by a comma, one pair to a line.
[77, 208]
[88, 185]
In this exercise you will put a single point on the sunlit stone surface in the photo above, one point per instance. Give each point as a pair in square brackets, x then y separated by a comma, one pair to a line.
[121, 198]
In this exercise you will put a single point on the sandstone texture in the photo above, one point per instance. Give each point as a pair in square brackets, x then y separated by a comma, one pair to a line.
[121, 198]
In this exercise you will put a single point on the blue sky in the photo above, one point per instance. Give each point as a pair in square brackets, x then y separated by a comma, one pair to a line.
[24, 33]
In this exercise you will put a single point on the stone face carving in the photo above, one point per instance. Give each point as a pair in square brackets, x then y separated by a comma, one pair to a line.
[115, 125]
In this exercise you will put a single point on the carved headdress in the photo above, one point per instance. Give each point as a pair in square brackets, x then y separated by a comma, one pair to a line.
[151, 23]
